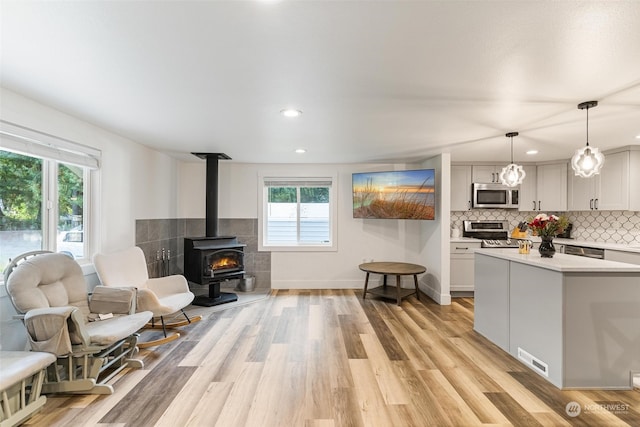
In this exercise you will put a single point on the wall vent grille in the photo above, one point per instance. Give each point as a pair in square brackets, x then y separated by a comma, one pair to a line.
[535, 363]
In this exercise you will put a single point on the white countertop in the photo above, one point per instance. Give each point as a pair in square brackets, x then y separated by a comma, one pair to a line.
[562, 262]
[600, 245]
[464, 239]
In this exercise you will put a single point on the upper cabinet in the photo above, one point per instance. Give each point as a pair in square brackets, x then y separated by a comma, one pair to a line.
[528, 195]
[487, 173]
[552, 187]
[611, 189]
[460, 188]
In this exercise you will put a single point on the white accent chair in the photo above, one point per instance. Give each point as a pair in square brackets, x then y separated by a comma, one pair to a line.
[93, 339]
[162, 296]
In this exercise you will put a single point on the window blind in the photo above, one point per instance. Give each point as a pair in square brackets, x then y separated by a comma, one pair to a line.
[292, 182]
[29, 142]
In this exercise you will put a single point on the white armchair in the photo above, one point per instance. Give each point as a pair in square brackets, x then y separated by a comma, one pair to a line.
[93, 339]
[162, 296]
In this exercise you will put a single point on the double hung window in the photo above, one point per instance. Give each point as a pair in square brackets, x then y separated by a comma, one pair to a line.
[298, 214]
[44, 194]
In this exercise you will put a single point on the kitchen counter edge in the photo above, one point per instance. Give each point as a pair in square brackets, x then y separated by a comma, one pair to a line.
[562, 262]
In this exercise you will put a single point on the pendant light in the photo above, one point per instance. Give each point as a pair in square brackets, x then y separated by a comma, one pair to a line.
[512, 175]
[587, 161]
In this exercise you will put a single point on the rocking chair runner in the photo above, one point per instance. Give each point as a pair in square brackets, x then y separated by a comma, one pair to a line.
[162, 296]
[93, 339]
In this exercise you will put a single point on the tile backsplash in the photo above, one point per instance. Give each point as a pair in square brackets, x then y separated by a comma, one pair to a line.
[598, 226]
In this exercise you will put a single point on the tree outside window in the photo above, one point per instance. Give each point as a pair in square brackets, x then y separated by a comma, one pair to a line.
[23, 216]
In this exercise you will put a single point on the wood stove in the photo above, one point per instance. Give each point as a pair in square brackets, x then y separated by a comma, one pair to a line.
[213, 259]
[210, 261]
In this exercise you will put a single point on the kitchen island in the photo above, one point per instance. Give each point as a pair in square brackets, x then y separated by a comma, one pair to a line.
[573, 320]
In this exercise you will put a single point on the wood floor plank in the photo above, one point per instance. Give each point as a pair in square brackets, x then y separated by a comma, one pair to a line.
[208, 408]
[371, 400]
[146, 402]
[473, 397]
[346, 408]
[241, 396]
[512, 410]
[456, 408]
[351, 337]
[417, 356]
[389, 342]
[391, 388]
[425, 406]
[318, 393]
[203, 347]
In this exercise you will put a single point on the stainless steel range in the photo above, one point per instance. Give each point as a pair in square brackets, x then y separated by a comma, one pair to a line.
[493, 233]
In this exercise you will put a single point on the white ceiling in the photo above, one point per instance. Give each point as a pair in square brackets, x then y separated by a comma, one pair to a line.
[378, 81]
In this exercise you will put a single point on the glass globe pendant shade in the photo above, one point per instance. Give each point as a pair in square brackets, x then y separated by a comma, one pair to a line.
[512, 175]
[587, 161]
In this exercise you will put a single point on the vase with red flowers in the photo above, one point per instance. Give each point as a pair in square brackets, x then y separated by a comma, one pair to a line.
[547, 227]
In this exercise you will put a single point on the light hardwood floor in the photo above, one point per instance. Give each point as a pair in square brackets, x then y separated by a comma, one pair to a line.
[328, 358]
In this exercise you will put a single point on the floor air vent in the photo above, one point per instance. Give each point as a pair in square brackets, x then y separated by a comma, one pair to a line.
[535, 363]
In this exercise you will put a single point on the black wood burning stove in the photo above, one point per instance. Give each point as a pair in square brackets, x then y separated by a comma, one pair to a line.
[210, 261]
[213, 259]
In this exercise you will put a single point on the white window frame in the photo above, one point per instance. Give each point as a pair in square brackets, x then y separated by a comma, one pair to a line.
[53, 151]
[263, 202]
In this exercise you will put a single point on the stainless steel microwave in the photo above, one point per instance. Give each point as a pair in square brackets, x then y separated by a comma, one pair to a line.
[494, 196]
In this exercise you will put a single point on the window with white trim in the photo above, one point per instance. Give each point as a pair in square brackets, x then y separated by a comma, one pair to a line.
[44, 193]
[298, 214]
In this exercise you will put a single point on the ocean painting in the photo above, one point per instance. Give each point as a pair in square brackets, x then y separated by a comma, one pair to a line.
[406, 194]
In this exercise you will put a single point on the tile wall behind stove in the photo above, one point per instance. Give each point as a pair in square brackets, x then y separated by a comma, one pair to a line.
[599, 226]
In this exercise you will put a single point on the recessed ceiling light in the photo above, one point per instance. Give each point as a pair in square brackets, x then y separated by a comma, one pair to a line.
[300, 150]
[638, 136]
[532, 152]
[289, 112]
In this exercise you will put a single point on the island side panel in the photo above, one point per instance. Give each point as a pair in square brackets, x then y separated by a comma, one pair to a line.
[602, 324]
[536, 318]
[491, 307]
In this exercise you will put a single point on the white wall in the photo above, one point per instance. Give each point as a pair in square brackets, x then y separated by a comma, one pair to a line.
[421, 242]
[135, 182]
[434, 253]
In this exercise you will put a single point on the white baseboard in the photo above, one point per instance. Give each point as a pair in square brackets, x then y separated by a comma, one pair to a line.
[317, 284]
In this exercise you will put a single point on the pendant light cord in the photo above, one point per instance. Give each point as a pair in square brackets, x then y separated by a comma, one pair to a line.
[587, 126]
[512, 150]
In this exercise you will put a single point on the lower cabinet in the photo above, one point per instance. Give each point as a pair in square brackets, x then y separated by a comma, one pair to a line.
[461, 268]
[491, 306]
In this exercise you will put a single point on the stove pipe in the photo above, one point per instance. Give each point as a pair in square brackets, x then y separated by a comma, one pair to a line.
[211, 209]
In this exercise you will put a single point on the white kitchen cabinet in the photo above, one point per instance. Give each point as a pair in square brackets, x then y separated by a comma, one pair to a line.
[491, 306]
[607, 191]
[462, 271]
[460, 188]
[634, 179]
[484, 173]
[528, 195]
[552, 187]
